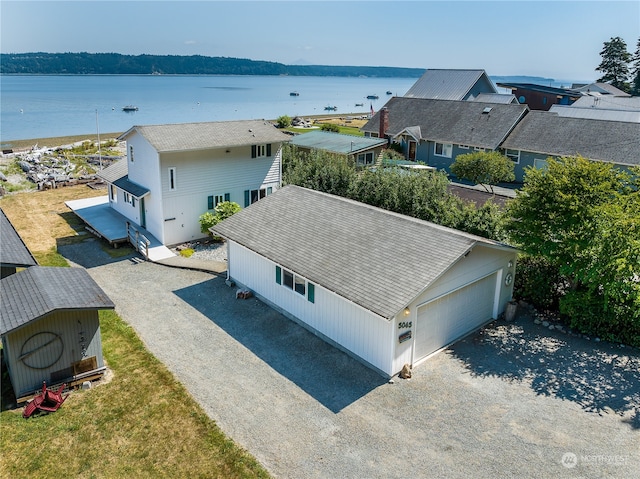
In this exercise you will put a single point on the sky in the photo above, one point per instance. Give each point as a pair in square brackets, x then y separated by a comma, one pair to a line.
[560, 39]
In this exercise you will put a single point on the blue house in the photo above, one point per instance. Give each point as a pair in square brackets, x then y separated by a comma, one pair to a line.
[435, 132]
[545, 134]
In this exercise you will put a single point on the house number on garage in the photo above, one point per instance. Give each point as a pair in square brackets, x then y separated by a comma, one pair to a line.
[404, 324]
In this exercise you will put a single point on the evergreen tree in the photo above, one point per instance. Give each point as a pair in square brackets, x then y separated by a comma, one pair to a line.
[635, 71]
[614, 64]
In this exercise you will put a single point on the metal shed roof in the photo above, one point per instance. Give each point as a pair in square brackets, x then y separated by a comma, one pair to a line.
[336, 142]
[13, 251]
[203, 136]
[37, 291]
[348, 247]
[117, 175]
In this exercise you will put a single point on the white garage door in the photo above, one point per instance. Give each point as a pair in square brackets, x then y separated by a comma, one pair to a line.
[442, 321]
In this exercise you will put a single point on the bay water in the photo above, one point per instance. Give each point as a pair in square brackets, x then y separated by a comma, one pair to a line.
[41, 106]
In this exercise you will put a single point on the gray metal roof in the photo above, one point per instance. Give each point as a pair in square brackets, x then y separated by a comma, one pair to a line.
[375, 258]
[496, 98]
[601, 88]
[13, 251]
[37, 291]
[336, 142]
[117, 175]
[550, 134]
[446, 84]
[446, 121]
[608, 102]
[596, 113]
[203, 136]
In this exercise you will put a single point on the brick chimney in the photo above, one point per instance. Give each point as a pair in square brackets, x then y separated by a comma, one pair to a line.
[384, 122]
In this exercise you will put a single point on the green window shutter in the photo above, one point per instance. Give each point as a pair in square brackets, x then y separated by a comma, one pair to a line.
[253, 151]
[247, 198]
[227, 196]
[210, 202]
[268, 149]
[278, 275]
[311, 292]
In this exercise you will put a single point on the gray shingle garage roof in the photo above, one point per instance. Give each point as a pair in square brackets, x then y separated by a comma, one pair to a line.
[13, 251]
[37, 291]
[202, 136]
[372, 257]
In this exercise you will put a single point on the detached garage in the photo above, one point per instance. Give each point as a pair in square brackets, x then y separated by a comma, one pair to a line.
[386, 288]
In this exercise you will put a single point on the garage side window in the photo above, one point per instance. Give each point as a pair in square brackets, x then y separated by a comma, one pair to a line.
[296, 283]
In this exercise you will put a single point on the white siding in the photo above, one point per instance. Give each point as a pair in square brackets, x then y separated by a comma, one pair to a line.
[203, 174]
[69, 325]
[362, 333]
[144, 172]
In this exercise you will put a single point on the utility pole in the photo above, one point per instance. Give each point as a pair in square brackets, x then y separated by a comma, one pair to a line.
[99, 147]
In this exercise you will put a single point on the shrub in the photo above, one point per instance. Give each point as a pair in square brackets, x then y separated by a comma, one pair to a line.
[330, 127]
[222, 211]
[283, 121]
[538, 282]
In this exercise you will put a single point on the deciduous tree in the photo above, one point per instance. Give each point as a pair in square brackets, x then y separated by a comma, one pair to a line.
[487, 168]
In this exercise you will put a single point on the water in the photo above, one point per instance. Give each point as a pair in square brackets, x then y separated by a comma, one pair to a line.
[42, 106]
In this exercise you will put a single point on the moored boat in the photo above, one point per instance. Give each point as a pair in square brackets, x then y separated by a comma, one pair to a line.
[130, 108]
[372, 97]
[294, 93]
[331, 108]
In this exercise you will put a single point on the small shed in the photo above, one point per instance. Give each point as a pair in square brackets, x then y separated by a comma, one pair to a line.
[14, 253]
[388, 289]
[50, 327]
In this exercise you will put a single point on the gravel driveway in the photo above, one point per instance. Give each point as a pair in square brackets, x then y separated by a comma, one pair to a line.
[516, 400]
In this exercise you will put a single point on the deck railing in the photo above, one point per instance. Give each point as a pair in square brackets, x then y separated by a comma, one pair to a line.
[138, 240]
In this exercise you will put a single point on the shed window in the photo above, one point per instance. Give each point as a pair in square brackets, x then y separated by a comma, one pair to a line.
[260, 151]
[443, 149]
[296, 283]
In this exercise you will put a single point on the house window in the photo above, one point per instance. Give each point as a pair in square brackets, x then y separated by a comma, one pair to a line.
[172, 178]
[131, 153]
[539, 164]
[260, 151]
[513, 155]
[113, 193]
[365, 158]
[213, 200]
[443, 149]
[127, 197]
[478, 148]
[296, 283]
[463, 147]
[251, 196]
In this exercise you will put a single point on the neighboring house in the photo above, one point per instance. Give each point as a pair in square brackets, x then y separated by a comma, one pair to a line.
[607, 102]
[599, 88]
[446, 84]
[50, 327]
[363, 150]
[387, 288]
[435, 132]
[540, 97]
[596, 113]
[14, 253]
[543, 134]
[175, 173]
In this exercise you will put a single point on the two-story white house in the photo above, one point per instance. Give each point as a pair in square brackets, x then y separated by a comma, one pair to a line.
[174, 173]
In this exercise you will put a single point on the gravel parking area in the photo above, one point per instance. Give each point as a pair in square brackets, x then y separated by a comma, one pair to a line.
[515, 400]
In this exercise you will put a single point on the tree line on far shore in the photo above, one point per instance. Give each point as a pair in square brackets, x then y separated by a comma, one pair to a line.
[118, 64]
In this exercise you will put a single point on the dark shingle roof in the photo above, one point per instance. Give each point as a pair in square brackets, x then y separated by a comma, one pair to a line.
[447, 121]
[37, 291]
[203, 136]
[547, 133]
[350, 248]
[13, 251]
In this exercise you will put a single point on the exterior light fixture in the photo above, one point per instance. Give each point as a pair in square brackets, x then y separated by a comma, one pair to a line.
[407, 311]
